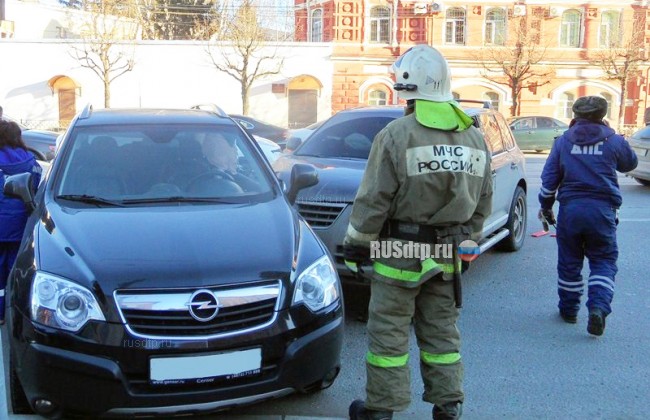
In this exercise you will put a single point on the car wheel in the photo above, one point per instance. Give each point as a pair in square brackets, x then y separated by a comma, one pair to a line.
[19, 403]
[644, 182]
[516, 223]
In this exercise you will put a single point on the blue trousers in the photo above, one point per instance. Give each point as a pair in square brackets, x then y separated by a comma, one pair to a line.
[8, 252]
[586, 229]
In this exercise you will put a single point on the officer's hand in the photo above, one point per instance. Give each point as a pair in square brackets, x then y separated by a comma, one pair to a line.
[547, 215]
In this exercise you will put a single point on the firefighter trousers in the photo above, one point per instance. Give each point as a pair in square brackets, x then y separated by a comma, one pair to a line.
[431, 306]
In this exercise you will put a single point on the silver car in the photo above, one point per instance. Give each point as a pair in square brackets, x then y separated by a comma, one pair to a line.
[339, 150]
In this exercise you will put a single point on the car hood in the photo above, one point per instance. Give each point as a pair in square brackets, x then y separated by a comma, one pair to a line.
[166, 246]
[338, 179]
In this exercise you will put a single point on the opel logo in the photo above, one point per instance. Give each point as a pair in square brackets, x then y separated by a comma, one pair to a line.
[203, 305]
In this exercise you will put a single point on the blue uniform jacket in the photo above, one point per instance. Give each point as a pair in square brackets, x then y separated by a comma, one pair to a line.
[13, 214]
[583, 164]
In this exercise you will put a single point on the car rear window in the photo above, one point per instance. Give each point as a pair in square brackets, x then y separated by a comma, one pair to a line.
[350, 139]
[155, 162]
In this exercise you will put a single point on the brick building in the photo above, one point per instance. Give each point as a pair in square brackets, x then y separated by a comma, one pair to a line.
[551, 51]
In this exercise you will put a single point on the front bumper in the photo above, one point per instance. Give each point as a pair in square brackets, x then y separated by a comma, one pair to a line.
[96, 384]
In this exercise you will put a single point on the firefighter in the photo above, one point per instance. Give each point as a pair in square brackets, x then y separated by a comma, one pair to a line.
[581, 170]
[427, 181]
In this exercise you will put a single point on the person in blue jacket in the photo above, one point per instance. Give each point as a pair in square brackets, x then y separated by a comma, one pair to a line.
[581, 170]
[14, 159]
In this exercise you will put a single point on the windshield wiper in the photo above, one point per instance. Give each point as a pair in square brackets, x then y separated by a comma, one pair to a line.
[178, 199]
[91, 199]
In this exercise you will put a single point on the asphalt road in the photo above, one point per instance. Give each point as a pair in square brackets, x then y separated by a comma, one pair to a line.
[521, 360]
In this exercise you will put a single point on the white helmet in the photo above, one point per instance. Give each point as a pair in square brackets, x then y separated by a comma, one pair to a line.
[423, 73]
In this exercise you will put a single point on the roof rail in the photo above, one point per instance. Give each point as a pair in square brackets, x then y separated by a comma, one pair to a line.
[486, 104]
[86, 112]
[211, 107]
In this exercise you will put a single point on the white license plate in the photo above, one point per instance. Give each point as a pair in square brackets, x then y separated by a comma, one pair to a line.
[640, 152]
[204, 368]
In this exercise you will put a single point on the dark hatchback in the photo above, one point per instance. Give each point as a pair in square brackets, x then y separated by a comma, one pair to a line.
[263, 129]
[144, 286]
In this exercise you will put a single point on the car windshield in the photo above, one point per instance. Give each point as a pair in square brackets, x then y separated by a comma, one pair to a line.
[161, 163]
[349, 139]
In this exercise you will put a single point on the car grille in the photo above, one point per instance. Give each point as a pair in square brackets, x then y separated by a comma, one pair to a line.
[320, 215]
[166, 313]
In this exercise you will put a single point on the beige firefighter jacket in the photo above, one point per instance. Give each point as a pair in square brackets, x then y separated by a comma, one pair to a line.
[421, 175]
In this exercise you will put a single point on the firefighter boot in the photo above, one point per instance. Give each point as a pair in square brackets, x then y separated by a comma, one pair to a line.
[448, 411]
[358, 411]
[596, 325]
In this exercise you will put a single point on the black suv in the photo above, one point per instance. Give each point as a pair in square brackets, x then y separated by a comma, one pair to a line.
[147, 284]
[339, 150]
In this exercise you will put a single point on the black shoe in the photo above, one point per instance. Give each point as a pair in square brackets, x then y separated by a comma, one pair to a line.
[358, 411]
[568, 318]
[448, 411]
[596, 325]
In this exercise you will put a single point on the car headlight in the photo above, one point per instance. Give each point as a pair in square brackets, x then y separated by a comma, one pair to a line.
[60, 303]
[318, 286]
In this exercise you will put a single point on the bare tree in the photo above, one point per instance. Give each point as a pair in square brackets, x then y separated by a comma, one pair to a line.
[108, 31]
[173, 19]
[620, 55]
[239, 44]
[515, 61]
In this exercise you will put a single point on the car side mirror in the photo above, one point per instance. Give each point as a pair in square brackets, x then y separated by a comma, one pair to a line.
[20, 186]
[292, 144]
[302, 176]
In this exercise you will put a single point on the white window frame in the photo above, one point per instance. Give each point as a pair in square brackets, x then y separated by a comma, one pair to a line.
[381, 99]
[491, 26]
[375, 19]
[451, 26]
[570, 29]
[607, 29]
[316, 26]
[565, 105]
[610, 103]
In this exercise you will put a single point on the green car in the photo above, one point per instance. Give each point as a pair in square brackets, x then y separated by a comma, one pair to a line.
[535, 132]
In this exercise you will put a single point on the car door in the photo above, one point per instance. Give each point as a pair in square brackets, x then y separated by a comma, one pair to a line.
[524, 130]
[550, 128]
[500, 174]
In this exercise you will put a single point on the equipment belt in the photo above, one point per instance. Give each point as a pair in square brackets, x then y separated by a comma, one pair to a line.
[420, 233]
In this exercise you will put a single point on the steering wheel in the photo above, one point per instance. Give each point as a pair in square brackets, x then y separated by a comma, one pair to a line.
[216, 181]
[212, 173]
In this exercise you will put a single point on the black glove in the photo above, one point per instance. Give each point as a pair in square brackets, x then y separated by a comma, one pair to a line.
[356, 256]
[356, 253]
[547, 215]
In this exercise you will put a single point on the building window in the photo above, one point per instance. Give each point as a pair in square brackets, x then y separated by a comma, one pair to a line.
[610, 29]
[380, 25]
[495, 27]
[377, 97]
[609, 99]
[492, 98]
[316, 34]
[564, 106]
[570, 29]
[455, 26]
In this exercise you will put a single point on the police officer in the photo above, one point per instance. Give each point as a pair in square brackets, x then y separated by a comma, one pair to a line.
[581, 169]
[427, 181]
